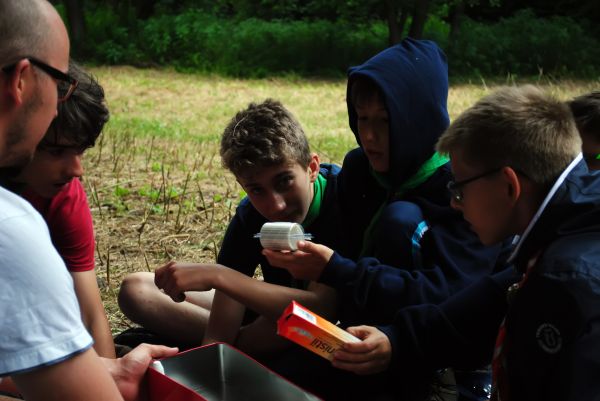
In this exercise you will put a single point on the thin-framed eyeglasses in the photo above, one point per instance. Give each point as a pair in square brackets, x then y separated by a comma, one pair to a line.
[66, 83]
[456, 187]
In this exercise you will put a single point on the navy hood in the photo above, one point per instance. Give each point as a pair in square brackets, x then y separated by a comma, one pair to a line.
[413, 80]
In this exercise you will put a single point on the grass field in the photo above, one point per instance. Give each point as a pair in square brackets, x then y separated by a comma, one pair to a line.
[155, 182]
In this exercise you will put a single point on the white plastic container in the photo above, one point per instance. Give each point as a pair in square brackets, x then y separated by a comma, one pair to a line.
[282, 236]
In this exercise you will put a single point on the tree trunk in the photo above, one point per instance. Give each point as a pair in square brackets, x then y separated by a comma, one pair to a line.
[456, 15]
[508, 7]
[419, 18]
[403, 18]
[391, 11]
[144, 9]
[76, 22]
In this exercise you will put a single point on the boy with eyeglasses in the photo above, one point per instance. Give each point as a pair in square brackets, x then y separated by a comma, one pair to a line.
[542, 334]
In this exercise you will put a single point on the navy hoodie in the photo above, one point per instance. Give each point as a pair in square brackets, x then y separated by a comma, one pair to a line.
[424, 250]
[553, 321]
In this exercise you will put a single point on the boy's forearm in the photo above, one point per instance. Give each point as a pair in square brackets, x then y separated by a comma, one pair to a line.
[225, 319]
[338, 271]
[80, 377]
[103, 341]
[93, 313]
[266, 299]
[236, 291]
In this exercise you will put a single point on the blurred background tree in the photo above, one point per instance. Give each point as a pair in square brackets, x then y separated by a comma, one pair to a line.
[225, 36]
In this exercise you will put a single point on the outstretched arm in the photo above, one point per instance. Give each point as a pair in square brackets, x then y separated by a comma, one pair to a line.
[372, 292]
[460, 333]
[266, 299]
[235, 292]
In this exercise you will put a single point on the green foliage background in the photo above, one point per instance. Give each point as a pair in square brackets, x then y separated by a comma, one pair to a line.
[199, 40]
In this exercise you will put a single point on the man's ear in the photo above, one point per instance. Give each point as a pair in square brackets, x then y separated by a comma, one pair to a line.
[513, 185]
[18, 80]
[314, 166]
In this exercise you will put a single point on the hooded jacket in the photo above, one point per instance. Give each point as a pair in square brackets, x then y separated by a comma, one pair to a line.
[552, 322]
[424, 250]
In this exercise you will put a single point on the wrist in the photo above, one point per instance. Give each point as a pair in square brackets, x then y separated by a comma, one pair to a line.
[112, 365]
[221, 277]
[216, 277]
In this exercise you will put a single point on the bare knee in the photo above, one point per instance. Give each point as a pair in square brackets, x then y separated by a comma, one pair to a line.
[136, 290]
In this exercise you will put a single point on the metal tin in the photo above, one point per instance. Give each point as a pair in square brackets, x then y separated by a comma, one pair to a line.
[219, 372]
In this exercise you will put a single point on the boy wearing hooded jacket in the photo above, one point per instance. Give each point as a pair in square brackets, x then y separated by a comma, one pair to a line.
[542, 334]
[415, 247]
[461, 331]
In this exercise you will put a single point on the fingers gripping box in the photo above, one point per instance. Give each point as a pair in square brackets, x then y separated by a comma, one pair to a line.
[312, 331]
[218, 372]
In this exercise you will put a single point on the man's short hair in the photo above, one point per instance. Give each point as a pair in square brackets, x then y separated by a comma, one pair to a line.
[521, 127]
[82, 116]
[263, 135]
[586, 111]
[23, 29]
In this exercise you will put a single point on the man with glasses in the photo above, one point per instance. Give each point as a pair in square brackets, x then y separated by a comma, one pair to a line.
[66, 83]
[44, 346]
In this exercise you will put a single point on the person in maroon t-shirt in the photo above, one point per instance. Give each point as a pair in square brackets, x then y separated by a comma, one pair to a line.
[51, 184]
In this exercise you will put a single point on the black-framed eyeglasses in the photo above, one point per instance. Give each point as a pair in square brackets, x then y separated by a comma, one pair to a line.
[66, 83]
[456, 187]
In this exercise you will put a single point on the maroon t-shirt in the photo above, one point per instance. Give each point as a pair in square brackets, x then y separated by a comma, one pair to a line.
[70, 223]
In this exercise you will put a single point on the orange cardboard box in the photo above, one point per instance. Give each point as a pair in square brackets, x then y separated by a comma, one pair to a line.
[312, 331]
